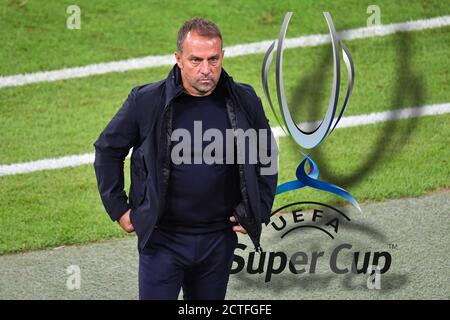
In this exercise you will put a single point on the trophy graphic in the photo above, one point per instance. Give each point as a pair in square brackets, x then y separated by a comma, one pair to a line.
[309, 140]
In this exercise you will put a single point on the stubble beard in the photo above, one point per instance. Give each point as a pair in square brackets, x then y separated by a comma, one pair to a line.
[205, 87]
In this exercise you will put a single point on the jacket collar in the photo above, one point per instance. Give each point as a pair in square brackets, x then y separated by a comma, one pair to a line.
[174, 84]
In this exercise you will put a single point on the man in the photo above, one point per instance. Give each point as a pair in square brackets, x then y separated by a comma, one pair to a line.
[186, 214]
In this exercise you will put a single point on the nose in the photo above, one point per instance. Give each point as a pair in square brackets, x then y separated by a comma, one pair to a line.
[205, 69]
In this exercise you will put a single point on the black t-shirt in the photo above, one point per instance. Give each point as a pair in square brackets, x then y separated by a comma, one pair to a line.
[201, 197]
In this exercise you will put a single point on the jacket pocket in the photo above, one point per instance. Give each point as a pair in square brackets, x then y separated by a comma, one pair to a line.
[138, 176]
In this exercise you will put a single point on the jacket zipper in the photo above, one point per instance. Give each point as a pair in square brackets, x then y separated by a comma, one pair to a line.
[164, 185]
[232, 119]
[166, 165]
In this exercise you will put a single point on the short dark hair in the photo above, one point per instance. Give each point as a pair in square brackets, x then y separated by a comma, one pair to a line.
[203, 27]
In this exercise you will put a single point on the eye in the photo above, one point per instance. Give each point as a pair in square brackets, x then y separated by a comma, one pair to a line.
[195, 60]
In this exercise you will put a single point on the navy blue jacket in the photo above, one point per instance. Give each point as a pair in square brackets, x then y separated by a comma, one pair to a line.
[144, 123]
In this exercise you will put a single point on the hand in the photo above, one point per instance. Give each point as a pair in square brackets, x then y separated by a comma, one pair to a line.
[125, 222]
[238, 228]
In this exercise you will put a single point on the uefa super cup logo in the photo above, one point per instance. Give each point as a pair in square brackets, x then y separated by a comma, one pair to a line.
[309, 140]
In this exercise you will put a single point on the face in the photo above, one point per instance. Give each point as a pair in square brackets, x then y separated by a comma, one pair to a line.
[200, 63]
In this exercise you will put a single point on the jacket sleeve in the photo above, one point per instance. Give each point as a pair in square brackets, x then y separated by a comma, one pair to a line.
[267, 172]
[111, 149]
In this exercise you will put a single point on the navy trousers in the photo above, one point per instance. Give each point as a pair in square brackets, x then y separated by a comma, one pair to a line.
[198, 263]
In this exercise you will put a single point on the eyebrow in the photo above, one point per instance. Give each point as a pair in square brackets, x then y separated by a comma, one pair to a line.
[216, 56]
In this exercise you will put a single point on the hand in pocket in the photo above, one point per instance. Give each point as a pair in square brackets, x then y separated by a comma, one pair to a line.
[125, 222]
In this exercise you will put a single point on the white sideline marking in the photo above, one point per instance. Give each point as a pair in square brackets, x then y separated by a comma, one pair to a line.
[376, 117]
[233, 51]
[47, 164]
[346, 122]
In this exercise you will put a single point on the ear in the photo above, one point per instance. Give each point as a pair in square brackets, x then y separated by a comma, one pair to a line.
[178, 58]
